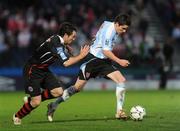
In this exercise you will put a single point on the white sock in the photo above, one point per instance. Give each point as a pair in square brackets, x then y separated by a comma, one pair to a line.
[69, 92]
[65, 95]
[120, 95]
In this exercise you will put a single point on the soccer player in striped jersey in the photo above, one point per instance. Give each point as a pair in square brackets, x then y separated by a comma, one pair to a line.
[98, 63]
[37, 75]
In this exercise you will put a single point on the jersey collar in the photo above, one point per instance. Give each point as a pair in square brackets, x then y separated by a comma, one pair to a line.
[61, 39]
[114, 28]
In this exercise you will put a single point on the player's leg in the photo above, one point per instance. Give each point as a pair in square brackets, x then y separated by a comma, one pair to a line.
[105, 68]
[117, 77]
[86, 72]
[51, 93]
[30, 105]
[48, 94]
[52, 86]
[72, 90]
[33, 88]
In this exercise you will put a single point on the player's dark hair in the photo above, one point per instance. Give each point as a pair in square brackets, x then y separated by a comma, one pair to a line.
[66, 28]
[123, 19]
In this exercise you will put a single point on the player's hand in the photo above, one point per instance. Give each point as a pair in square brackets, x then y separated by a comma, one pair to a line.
[84, 50]
[123, 62]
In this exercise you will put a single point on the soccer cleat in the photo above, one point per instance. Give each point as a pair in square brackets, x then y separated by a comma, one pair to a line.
[50, 112]
[121, 115]
[16, 120]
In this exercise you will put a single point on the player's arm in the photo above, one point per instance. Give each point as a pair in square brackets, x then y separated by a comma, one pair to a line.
[107, 48]
[72, 60]
[66, 58]
[110, 55]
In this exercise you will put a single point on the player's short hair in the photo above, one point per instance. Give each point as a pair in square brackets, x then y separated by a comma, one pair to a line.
[66, 28]
[123, 19]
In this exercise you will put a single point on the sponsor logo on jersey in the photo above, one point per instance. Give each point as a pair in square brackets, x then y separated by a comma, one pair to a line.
[107, 42]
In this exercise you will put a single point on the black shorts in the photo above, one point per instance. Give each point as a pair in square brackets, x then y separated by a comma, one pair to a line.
[95, 67]
[38, 78]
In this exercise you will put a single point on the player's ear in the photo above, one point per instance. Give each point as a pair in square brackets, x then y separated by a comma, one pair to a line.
[117, 24]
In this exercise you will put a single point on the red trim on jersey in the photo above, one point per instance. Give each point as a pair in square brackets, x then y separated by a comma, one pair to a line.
[38, 66]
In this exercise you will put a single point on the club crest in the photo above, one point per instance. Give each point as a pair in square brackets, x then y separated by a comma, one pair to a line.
[30, 88]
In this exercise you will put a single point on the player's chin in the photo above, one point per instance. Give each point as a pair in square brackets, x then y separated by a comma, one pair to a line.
[68, 44]
[122, 33]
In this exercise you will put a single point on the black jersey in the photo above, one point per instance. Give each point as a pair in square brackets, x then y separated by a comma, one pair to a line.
[49, 51]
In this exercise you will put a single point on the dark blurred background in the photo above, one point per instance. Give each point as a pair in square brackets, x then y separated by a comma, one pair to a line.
[152, 44]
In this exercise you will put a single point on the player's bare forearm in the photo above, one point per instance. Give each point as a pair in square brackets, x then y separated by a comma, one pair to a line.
[72, 60]
[111, 56]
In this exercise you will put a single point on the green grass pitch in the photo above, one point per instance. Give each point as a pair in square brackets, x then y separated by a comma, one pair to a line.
[94, 110]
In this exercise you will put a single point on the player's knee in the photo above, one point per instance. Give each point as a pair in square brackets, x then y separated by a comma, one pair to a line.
[35, 102]
[124, 90]
[57, 92]
[122, 80]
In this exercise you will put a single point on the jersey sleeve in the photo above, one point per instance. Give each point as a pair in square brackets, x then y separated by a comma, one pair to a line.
[63, 56]
[107, 40]
[59, 49]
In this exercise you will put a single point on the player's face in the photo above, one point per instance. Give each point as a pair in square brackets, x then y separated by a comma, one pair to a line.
[70, 38]
[121, 29]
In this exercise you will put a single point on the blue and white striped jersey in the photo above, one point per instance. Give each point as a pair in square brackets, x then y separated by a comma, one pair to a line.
[106, 38]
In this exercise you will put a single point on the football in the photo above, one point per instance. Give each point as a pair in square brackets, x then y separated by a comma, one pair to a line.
[137, 113]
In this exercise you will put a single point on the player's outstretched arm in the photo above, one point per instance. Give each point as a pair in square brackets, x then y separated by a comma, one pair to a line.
[72, 60]
[111, 56]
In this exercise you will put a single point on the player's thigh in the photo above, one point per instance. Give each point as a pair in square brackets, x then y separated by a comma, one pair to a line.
[116, 76]
[52, 83]
[33, 87]
[32, 81]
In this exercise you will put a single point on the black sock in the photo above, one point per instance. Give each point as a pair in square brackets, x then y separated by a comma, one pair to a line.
[25, 110]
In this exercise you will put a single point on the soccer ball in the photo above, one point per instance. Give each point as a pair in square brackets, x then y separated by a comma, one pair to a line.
[137, 113]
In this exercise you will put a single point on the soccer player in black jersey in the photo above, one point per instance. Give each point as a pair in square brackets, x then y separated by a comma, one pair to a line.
[37, 75]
